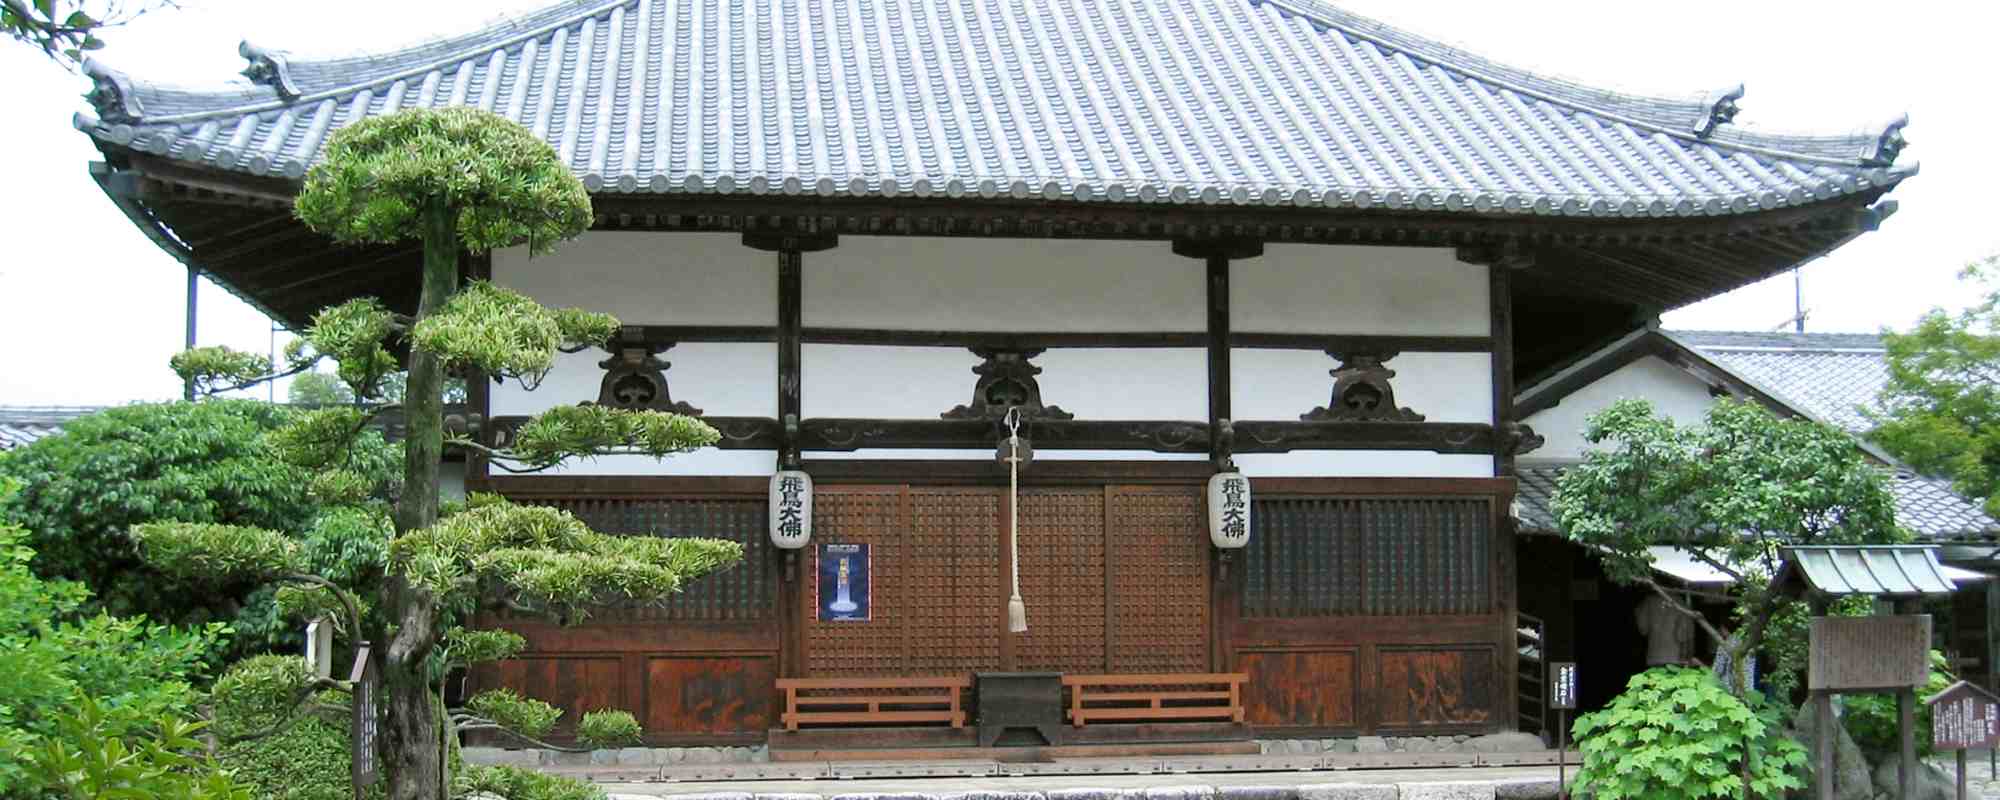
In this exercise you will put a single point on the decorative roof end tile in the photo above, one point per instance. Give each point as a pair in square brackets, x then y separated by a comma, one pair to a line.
[111, 93]
[1722, 108]
[1888, 143]
[269, 68]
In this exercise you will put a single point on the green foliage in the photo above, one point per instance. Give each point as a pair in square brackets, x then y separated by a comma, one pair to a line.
[566, 432]
[504, 332]
[306, 760]
[1675, 733]
[219, 368]
[515, 783]
[1940, 410]
[500, 183]
[1872, 718]
[93, 755]
[547, 560]
[1729, 491]
[607, 728]
[206, 551]
[81, 492]
[465, 648]
[531, 718]
[64, 30]
[318, 389]
[136, 674]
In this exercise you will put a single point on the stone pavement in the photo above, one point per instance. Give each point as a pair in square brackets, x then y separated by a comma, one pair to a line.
[1464, 783]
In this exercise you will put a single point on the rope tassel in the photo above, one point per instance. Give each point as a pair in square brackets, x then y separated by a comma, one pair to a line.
[1017, 609]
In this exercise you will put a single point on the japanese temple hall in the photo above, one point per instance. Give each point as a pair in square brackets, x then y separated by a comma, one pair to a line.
[1255, 280]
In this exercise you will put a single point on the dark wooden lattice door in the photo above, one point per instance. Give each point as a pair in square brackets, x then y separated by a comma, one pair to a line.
[1115, 580]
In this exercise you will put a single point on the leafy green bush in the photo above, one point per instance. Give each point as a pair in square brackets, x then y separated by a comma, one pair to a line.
[1675, 733]
[1872, 718]
[92, 755]
[607, 728]
[187, 462]
[531, 718]
[515, 783]
[307, 759]
[138, 674]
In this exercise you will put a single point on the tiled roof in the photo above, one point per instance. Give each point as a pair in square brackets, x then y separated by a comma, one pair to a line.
[21, 425]
[1829, 375]
[1878, 570]
[1280, 102]
[1926, 506]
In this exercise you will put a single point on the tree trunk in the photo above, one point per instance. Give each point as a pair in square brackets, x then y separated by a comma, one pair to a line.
[413, 746]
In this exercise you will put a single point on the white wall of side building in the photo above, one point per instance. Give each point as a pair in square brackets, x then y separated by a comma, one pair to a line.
[1670, 389]
[1008, 285]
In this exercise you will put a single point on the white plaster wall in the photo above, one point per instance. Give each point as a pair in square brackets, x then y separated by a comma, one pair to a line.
[1282, 384]
[1301, 288]
[650, 278]
[1672, 391]
[918, 283]
[1015, 285]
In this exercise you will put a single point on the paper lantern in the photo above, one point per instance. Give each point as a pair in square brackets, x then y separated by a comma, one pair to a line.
[1229, 510]
[791, 509]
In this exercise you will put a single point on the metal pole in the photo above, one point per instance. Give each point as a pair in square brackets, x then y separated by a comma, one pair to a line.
[187, 387]
[1961, 774]
[1823, 744]
[1906, 724]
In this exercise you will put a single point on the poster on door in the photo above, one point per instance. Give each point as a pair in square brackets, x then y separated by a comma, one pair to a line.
[843, 582]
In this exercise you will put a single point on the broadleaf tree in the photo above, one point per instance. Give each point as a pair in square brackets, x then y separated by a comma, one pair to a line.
[397, 571]
[1940, 410]
[66, 29]
[1729, 491]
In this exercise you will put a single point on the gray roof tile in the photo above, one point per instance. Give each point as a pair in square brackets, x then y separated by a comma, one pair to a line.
[24, 425]
[1829, 375]
[1194, 101]
[1926, 506]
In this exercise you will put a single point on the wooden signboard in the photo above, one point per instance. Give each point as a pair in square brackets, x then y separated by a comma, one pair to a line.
[1964, 717]
[367, 769]
[1869, 653]
[1562, 685]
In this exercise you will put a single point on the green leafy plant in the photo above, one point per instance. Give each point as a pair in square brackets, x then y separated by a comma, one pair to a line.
[92, 755]
[64, 30]
[281, 734]
[1730, 491]
[510, 710]
[1676, 734]
[1872, 718]
[608, 728]
[515, 783]
[1940, 409]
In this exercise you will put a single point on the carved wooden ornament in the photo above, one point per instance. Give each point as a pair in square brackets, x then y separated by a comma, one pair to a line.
[636, 379]
[1361, 392]
[791, 509]
[1229, 510]
[1006, 380]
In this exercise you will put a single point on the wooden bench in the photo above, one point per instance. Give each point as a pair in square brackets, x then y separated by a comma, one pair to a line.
[866, 701]
[1130, 698]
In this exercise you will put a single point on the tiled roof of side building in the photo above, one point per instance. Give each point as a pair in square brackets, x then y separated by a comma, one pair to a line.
[1831, 375]
[1276, 102]
[1926, 506]
[23, 425]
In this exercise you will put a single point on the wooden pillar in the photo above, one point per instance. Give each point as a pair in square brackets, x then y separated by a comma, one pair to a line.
[1219, 391]
[1823, 723]
[1990, 663]
[790, 248]
[1501, 315]
[1906, 719]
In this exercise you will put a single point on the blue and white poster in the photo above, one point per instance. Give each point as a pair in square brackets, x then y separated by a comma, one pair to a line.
[843, 582]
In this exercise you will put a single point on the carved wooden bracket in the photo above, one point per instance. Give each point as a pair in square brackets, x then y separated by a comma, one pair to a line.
[635, 378]
[1361, 392]
[1516, 438]
[1006, 380]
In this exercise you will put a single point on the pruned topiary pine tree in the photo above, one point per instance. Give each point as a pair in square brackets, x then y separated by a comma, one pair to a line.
[1729, 492]
[391, 568]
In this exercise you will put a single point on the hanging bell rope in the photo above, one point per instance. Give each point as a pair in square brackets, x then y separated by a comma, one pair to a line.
[1017, 609]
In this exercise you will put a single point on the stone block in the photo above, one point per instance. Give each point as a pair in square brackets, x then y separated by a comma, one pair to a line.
[1453, 790]
[1509, 742]
[1531, 789]
[1418, 744]
[1371, 744]
[704, 755]
[558, 758]
[637, 757]
[1257, 793]
[1336, 745]
[604, 758]
[494, 756]
[1349, 791]
[884, 796]
[786, 796]
[714, 796]
[991, 795]
[1180, 793]
[675, 755]
[1096, 794]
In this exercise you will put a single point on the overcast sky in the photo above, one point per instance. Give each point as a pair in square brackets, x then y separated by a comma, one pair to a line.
[90, 310]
